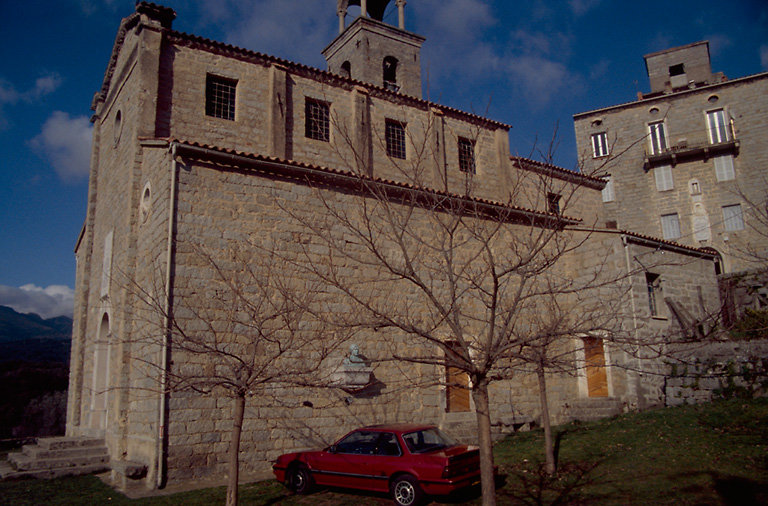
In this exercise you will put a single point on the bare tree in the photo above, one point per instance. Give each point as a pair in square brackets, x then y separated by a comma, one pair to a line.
[244, 329]
[461, 283]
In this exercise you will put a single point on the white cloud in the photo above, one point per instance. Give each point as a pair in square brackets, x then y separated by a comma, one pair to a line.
[764, 56]
[581, 7]
[9, 95]
[719, 43]
[288, 29]
[539, 78]
[66, 142]
[54, 300]
[44, 85]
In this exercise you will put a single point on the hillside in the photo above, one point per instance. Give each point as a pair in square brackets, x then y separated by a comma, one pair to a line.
[27, 337]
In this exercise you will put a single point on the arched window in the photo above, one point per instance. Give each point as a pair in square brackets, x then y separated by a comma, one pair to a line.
[346, 69]
[390, 73]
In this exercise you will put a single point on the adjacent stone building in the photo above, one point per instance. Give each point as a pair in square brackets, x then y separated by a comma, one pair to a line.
[687, 161]
[199, 144]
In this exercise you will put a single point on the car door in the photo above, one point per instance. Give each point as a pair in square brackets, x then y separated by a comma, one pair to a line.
[346, 464]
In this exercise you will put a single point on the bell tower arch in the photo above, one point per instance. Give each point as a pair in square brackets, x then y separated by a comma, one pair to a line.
[368, 48]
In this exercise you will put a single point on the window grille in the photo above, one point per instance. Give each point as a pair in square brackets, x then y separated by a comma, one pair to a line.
[653, 284]
[466, 155]
[220, 97]
[317, 122]
[395, 137]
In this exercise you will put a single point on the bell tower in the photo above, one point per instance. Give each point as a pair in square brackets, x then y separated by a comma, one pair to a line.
[373, 51]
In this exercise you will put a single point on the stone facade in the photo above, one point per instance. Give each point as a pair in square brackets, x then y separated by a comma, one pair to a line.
[171, 173]
[688, 160]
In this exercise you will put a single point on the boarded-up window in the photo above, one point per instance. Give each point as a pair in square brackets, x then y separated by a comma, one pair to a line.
[456, 388]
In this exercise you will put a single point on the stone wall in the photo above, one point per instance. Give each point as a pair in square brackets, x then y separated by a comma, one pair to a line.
[638, 205]
[703, 373]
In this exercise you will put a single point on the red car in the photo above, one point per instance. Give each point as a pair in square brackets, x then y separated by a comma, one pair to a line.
[410, 461]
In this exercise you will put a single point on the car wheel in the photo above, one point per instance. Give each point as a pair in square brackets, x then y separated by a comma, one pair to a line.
[299, 479]
[406, 491]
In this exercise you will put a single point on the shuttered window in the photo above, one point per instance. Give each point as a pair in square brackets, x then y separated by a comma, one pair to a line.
[670, 226]
[456, 388]
[724, 168]
[664, 180]
[608, 192]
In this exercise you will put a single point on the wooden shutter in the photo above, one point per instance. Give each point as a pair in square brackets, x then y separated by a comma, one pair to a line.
[597, 379]
[456, 389]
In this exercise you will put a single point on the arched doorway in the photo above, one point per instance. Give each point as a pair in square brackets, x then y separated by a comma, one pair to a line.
[99, 392]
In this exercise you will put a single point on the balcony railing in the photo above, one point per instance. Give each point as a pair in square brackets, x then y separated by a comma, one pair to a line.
[693, 145]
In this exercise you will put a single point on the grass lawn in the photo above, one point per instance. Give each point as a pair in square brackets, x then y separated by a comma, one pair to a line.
[711, 454]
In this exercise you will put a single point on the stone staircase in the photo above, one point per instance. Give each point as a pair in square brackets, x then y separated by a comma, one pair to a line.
[594, 408]
[57, 456]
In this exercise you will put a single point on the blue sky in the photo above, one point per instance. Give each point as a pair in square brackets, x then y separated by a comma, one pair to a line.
[530, 64]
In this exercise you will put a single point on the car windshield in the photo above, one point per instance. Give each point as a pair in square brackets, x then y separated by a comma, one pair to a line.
[427, 440]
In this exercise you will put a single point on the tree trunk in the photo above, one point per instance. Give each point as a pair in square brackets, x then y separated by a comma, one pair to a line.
[480, 395]
[233, 453]
[548, 448]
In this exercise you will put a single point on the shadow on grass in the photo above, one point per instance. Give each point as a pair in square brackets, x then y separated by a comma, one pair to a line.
[737, 491]
[534, 486]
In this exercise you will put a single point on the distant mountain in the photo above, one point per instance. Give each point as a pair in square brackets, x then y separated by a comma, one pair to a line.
[28, 337]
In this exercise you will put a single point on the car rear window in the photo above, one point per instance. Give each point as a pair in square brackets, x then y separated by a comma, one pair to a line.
[427, 440]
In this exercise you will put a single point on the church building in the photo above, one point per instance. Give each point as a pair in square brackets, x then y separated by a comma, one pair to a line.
[203, 151]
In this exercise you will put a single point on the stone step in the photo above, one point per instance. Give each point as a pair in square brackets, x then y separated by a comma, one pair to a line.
[595, 408]
[8, 473]
[37, 452]
[61, 443]
[23, 462]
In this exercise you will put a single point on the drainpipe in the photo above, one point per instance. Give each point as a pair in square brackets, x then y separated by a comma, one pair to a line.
[634, 313]
[631, 294]
[161, 433]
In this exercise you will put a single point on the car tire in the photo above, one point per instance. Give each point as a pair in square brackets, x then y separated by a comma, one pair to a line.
[406, 491]
[299, 479]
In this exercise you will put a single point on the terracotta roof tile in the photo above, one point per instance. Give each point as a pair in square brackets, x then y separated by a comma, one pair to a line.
[363, 178]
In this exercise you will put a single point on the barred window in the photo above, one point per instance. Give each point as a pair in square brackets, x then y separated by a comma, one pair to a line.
[317, 123]
[220, 97]
[395, 136]
[553, 203]
[466, 155]
[653, 282]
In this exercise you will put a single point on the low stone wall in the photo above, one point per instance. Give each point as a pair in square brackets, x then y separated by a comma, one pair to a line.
[720, 370]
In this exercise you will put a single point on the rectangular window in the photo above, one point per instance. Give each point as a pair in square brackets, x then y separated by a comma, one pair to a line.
[599, 145]
[664, 179]
[608, 192]
[724, 168]
[658, 137]
[717, 126]
[466, 155]
[317, 123]
[395, 137]
[220, 97]
[553, 203]
[653, 284]
[733, 219]
[456, 388]
[670, 226]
